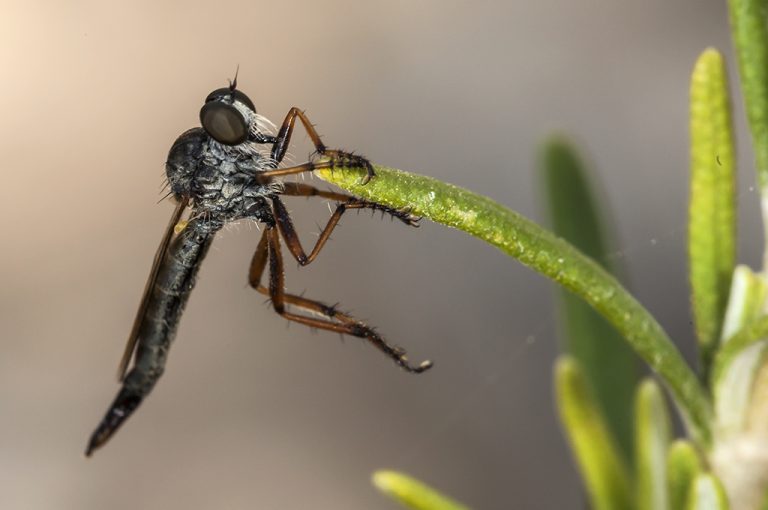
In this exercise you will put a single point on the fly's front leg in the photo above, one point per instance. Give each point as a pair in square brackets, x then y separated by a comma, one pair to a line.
[288, 231]
[299, 189]
[268, 252]
[336, 158]
[280, 147]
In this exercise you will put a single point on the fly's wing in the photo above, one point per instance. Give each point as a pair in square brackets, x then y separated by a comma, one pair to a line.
[130, 347]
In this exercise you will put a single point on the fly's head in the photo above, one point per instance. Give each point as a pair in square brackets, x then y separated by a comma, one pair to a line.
[216, 166]
[230, 118]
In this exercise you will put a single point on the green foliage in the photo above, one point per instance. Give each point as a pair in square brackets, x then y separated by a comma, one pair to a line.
[707, 493]
[750, 38]
[683, 466]
[596, 450]
[547, 254]
[608, 364]
[712, 210]
[652, 437]
[412, 493]
[725, 409]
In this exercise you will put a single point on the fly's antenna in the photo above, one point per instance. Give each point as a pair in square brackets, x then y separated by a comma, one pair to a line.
[233, 83]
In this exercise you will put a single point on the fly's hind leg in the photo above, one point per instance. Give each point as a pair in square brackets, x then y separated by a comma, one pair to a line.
[328, 317]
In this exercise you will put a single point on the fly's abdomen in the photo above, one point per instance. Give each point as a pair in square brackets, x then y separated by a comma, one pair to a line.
[170, 293]
[169, 296]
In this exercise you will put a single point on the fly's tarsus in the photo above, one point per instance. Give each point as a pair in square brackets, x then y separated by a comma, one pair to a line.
[331, 159]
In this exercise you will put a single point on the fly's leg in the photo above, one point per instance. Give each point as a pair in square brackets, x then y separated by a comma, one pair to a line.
[280, 147]
[285, 225]
[336, 158]
[299, 189]
[259, 262]
[268, 251]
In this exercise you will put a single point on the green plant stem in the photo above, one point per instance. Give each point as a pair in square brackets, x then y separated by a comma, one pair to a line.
[553, 257]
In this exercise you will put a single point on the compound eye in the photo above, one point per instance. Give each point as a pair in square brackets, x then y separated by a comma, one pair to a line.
[239, 96]
[224, 123]
[226, 92]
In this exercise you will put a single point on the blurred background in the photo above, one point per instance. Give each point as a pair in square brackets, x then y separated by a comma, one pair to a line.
[252, 413]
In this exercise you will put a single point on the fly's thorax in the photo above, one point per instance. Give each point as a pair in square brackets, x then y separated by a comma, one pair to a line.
[220, 180]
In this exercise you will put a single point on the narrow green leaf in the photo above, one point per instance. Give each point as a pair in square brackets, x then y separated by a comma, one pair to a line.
[608, 362]
[712, 213]
[551, 256]
[750, 37]
[652, 436]
[412, 493]
[600, 462]
[707, 493]
[683, 465]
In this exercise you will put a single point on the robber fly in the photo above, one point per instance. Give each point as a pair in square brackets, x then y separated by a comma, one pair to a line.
[224, 172]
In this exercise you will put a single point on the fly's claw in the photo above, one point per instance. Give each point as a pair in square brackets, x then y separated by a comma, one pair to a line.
[395, 352]
[402, 360]
[424, 365]
[404, 215]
